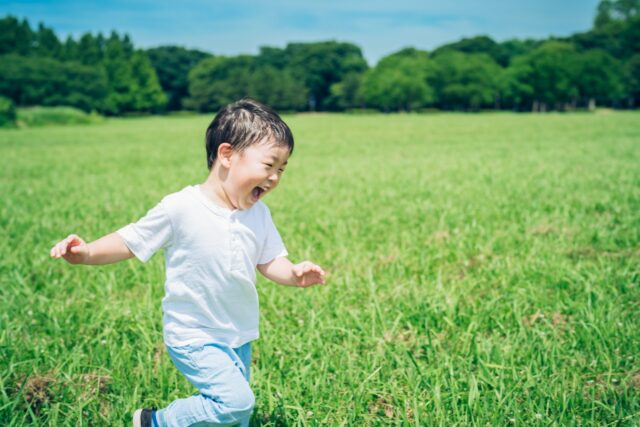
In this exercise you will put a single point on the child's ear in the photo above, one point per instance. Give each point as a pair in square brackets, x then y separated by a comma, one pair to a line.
[225, 151]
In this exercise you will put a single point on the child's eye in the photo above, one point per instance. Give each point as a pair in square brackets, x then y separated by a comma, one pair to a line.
[269, 165]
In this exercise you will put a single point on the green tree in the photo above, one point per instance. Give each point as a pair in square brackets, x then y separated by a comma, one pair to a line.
[146, 89]
[119, 75]
[47, 81]
[346, 93]
[273, 56]
[277, 88]
[7, 112]
[516, 47]
[319, 65]
[92, 73]
[465, 81]
[599, 78]
[398, 82]
[15, 36]
[616, 29]
[515, 92]
[127, 45]
[89, 49]
[609, 11]
[551, 72]
[46, 43]
[79, 86]
[173, 64]
[219, 80]
[632, 74]
[478, 44]
[216, 81]
[70, 49]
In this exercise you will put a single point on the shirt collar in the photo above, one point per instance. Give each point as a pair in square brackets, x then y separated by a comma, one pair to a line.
[213, 206]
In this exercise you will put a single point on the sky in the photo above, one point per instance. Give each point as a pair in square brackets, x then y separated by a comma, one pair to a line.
[378, 27]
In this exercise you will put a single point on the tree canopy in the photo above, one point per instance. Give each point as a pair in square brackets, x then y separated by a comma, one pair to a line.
[92, 73]
[173, 64]
[399, 82]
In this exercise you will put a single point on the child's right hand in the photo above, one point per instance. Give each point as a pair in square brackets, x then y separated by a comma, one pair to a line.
[73, 249]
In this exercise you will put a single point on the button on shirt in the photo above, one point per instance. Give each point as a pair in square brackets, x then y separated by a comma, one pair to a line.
[211, 254]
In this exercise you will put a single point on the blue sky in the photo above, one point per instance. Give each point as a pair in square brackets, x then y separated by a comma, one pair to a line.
[379, 27]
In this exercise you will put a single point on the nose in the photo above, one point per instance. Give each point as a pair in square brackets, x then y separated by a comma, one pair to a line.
[274, 178]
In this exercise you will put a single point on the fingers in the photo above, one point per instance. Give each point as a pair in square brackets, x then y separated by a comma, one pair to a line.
[65, 245]
[307, 267]
[56, 251]
[313, 268]
[309, 274]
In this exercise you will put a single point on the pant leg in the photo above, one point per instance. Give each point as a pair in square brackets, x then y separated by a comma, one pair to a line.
[244, 353]
[221, 376]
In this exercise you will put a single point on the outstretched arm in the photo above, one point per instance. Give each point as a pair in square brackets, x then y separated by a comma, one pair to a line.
[282, 271]
[106, 250]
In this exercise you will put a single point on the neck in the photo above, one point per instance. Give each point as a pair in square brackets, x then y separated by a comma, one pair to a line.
[213, 189]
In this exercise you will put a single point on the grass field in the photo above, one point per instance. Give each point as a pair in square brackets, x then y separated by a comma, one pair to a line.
[484, 270]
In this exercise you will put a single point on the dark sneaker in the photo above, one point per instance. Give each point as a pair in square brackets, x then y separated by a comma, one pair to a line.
[144, 418]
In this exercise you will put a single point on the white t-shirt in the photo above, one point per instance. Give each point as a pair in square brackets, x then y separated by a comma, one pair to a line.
[211, 255]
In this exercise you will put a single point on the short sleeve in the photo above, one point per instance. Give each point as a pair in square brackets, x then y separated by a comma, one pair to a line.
[273, 245]
[151, 233]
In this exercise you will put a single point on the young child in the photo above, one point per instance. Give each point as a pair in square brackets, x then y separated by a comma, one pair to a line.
[214, 235]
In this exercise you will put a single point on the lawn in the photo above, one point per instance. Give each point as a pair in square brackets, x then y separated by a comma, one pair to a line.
[484, 269]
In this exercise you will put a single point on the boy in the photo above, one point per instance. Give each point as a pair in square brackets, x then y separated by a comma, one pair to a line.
[215, 235]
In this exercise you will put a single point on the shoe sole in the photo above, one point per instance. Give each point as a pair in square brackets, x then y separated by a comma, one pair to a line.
[136, 418]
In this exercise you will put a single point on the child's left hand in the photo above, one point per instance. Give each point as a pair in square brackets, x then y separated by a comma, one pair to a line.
[308, 274]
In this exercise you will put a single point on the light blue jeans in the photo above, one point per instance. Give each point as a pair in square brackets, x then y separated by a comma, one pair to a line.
[221, 375]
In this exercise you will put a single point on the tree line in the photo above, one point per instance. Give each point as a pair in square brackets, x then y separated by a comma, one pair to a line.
[107, 74]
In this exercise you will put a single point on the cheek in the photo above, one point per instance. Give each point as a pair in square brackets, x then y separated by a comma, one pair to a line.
[259, 174]
[250, 177]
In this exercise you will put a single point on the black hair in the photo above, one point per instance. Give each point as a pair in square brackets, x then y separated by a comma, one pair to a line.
[243, 123]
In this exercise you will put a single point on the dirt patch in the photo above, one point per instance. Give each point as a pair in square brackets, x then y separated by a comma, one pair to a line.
[634, 381]
[38, 390]
[602, 384]
[469, 265]
[42, 390]
[381, 406]
[557, 320]
[387, 259]
[408, 411]
[583, 252]
[542, 230]
[532, 319]
[403, 336]
[440, 236]
[94, 384]
[157, 357]
[475, 261]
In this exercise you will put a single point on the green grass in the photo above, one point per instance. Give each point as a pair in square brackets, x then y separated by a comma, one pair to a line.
[484, 270]
[47, 116]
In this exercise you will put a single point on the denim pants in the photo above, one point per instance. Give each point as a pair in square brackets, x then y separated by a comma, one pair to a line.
[221, 375]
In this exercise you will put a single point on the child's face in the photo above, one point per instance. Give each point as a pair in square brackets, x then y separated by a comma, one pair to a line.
[254, 172]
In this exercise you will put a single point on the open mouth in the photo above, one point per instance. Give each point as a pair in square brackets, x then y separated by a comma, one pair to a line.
[257, 192]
